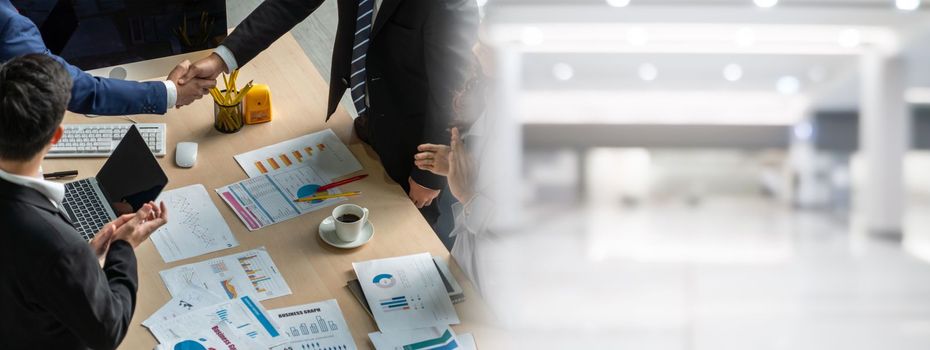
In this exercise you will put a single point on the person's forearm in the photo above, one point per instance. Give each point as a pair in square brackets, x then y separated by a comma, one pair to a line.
[269, 21]
[102, 96]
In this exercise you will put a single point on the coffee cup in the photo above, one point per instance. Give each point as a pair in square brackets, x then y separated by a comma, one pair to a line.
[350, 220]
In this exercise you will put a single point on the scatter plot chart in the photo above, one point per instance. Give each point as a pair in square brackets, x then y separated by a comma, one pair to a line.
[196, 226]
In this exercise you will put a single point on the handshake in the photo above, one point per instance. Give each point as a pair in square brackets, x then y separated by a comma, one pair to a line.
[194, 80]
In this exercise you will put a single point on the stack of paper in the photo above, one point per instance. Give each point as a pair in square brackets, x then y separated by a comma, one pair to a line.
[220, 336]
[245, 321]
[433, 338]
[191, 298]
[196, 317]
[281, 173]
[409, 301]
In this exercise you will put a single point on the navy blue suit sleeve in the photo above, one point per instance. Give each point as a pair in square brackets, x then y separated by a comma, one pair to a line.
[89, 94]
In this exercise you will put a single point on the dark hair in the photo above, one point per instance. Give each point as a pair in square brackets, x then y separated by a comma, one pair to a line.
[34, 92]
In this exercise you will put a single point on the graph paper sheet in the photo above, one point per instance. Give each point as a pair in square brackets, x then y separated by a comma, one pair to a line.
[315, 326]
[250, 273]
[196, 226]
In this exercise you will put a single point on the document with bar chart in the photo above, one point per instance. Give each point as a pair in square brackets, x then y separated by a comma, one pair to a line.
[250, 273]
[405, 293]
[323, 151]
[269, 199]
[318, 326]
[244, 316]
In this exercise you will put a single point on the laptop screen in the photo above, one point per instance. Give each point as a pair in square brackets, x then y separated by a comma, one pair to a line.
[132, 176]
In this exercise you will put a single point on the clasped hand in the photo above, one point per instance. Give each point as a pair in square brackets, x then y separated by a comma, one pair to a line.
[132, 228]
[194, 80]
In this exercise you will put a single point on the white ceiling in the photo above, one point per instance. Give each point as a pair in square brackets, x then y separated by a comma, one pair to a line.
[698, 69]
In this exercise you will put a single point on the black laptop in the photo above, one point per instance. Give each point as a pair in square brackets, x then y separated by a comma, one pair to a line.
[130, 178]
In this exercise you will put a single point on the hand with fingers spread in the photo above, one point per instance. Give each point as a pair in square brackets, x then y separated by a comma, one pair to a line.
[136, 228]
[462, 175]
[433, 158]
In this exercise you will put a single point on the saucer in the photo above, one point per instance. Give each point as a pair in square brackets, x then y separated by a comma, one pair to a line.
[328, 234]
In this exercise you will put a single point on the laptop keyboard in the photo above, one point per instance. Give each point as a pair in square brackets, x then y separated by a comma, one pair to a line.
[85, 208]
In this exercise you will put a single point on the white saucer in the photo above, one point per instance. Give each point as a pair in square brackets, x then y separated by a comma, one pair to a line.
[328, 234]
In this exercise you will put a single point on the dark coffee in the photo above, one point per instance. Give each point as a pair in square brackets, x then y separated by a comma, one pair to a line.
[348, 218]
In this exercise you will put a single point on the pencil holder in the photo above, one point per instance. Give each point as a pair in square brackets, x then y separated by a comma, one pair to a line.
[228, 119]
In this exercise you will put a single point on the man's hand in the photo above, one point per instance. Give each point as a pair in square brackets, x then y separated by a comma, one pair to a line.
[433, 158]
[178, 72]
[462, 174]
[136, 228]
[193, 90]
[101, 242]
[208, 68]
[421, 196]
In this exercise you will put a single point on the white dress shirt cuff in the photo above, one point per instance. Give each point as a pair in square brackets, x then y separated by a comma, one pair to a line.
[227, 57]
[472, 217]
[172, 94]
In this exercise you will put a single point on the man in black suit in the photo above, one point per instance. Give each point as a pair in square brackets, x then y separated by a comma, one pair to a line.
[402, 62]
[58, 291]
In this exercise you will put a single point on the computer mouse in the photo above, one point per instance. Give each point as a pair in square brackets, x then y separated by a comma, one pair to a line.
[186, 154]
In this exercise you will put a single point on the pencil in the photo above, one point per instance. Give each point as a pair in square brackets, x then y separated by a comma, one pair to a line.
[340, 183]
[327, 196]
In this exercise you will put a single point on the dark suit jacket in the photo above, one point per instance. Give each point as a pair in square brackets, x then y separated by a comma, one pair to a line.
[53, 294]
[418, 59]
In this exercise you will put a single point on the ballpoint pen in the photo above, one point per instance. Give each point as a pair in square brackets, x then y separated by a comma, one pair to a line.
[60, 175]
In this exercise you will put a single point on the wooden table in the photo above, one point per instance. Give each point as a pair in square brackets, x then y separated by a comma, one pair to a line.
[313, 270]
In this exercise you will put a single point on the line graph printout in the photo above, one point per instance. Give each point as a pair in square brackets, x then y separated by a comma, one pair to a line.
[322, 151]
[269, 199]
[196, 226]
[232, 276]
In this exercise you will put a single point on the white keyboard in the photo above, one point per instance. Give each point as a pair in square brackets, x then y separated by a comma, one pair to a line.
[99, 140]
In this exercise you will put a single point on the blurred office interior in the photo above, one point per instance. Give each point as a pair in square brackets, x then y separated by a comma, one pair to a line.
[712, 174]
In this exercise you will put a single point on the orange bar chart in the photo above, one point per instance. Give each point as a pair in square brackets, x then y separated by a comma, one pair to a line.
[261, 167]
[286, 160]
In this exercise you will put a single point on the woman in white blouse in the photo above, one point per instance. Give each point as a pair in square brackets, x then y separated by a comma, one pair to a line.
[461, 164]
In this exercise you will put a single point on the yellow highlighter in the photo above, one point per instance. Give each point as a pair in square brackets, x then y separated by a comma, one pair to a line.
[258, 104]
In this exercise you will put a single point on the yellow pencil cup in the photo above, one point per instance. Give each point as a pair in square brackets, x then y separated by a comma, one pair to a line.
[228, 119]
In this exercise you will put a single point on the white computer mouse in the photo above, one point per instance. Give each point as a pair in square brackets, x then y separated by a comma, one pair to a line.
[186, 154]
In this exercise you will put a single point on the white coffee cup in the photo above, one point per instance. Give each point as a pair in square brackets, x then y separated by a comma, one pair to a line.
[350, 231]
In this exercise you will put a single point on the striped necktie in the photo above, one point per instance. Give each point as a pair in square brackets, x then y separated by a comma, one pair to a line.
[366, 11]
